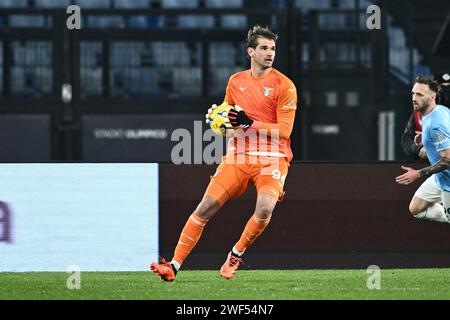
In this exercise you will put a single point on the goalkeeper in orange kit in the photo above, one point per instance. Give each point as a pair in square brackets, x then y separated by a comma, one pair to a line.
[265, 101]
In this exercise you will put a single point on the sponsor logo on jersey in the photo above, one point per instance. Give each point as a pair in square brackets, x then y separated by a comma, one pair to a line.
[290, 105]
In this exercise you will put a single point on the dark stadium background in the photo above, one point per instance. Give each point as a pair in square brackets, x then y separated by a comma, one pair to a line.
[152, 66]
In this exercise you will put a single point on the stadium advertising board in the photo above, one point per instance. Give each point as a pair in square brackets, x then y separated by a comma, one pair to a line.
[130, 138]
[98, 217]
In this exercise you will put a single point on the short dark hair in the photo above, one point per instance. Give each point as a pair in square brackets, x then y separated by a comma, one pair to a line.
[432, 84]
[257, 32]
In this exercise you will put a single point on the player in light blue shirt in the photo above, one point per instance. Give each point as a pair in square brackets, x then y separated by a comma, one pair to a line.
[435, 138]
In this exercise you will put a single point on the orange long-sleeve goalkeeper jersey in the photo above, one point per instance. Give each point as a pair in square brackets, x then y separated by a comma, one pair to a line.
[271, 102]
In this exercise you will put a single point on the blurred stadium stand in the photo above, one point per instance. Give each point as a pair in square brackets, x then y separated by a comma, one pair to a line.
[441, 46]
[52, 3]
[93, 3]
[13, 4]
[175, 56]
[135, 4]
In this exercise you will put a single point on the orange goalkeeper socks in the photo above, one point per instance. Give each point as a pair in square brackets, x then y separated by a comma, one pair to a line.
[189, 237]
[255, 226]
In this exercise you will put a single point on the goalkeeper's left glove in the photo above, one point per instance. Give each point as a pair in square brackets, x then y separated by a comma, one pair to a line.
[238, 118]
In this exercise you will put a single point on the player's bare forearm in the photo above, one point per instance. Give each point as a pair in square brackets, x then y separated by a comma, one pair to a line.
[441, 165]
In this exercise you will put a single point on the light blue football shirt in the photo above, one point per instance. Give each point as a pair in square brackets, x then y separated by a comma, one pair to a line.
[436, 138]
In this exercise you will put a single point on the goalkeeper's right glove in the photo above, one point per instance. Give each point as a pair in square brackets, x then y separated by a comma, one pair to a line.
[238, 118]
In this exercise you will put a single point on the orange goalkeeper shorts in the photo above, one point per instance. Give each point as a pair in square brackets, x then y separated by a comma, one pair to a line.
[232, 179]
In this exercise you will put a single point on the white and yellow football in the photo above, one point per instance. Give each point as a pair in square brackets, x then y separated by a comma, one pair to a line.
[218, 120]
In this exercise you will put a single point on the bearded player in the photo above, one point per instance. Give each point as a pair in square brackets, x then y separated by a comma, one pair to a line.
[435, 138]
[264, 103]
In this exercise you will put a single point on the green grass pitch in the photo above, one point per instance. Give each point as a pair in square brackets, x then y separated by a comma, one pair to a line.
[248, 285]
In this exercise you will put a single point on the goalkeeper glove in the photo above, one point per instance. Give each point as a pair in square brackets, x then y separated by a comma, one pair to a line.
[238, 118]
[210, 111]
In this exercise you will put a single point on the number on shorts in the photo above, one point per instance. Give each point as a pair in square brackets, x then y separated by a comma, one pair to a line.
[276, 174]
